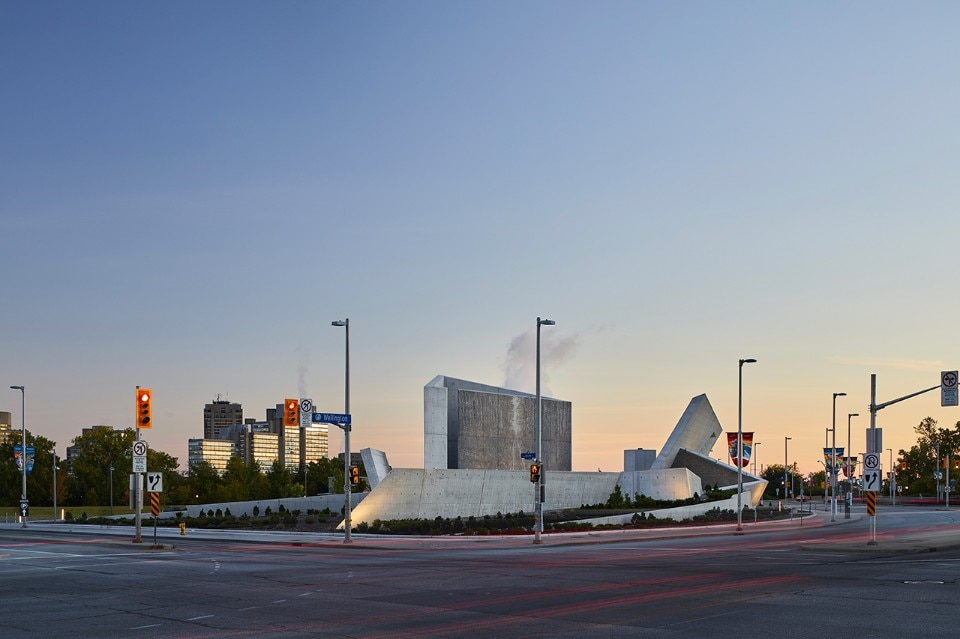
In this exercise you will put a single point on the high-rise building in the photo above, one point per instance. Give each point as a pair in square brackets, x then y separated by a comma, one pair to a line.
[6, 427]
[216, 452]
[220, 414]
[314, 443]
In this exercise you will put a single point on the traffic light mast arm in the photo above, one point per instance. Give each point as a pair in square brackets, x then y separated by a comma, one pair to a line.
[875, 407]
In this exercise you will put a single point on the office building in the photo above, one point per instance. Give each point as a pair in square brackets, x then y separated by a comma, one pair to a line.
[220, 414]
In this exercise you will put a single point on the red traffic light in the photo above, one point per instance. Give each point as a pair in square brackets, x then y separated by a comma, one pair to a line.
[144, 401]
[291, 412]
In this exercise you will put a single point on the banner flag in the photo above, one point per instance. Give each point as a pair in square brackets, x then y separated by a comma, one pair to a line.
[747, 448]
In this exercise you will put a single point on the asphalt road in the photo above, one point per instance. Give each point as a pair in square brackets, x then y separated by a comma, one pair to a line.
[818, 580]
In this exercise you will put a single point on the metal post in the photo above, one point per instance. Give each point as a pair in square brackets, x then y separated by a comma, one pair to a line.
[740, 443]
[756, 453]
[936, 473]
[849, 471]
[138, 494]
[539, 496]
[23, 447]
[347, 486]
[111, 489]
[54, 485]
[890, 477]
[833, 455]
[785, 440]
[947, 487]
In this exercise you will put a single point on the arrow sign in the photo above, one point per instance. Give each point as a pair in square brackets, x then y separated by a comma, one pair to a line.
[338, 419]
[871, 480]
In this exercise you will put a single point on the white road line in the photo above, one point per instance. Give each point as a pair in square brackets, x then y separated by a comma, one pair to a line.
[200, 617]
[152, 625]
[279, 601]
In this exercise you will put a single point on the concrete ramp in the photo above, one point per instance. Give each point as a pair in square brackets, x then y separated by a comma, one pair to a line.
[697, 431]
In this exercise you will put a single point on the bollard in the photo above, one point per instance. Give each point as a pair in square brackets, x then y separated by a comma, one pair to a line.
[183, 528]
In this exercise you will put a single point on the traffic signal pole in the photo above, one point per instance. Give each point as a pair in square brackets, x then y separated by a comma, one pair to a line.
[138, 495]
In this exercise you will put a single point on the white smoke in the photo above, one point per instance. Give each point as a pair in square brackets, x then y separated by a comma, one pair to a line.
[302, 371]
[520, 366]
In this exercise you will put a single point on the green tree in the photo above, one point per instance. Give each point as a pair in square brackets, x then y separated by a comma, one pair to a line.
[204, 482]
[915, 467]
[39, 481]
[280, 480]
[95, 451]
[318, 474]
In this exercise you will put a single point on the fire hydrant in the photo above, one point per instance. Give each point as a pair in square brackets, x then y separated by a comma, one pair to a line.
[183, 528]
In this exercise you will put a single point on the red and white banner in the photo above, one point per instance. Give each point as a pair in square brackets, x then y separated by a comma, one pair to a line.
[747, 448]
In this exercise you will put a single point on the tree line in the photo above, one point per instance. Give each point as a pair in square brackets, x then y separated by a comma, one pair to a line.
[915, 467]
[89, 481]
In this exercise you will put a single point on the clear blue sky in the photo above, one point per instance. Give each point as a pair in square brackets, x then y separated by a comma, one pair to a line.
[191, 192]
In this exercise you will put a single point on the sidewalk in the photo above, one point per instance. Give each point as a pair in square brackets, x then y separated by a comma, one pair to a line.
[853, 540]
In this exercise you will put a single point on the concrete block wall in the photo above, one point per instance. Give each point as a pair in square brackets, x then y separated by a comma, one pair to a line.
[408, 493]
[476, 426]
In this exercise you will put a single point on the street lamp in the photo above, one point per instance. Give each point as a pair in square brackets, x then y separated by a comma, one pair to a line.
[785, 440]
[848, 467]
[833, 454]
[539, 496]
[111, 489]
[740, 443]
[345, 323]
[23, 449]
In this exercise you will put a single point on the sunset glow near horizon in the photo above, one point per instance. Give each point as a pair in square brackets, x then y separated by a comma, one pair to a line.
[194, 191]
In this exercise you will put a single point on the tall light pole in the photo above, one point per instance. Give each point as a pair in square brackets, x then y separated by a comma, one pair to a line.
[785, 440]
[833, 454]
[54, 484]
[755, 455]
[848, 469]
[111, 489]
[23, 449]
[740, 443]
[345, 323]
[539, 497]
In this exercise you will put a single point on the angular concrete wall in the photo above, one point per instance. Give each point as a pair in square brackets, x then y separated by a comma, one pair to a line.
[476, 426]
[375, 463]
[670, 484]
[697, 431]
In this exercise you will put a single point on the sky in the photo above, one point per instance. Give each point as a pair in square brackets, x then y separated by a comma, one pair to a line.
[191, 192]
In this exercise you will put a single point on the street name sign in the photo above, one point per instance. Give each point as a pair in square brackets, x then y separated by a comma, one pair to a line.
[338, 419]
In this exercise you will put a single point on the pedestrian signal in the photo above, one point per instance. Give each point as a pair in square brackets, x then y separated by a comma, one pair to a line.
[355, 475]
[534, 472]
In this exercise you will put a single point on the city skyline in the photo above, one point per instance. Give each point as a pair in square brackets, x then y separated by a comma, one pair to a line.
[192, 193]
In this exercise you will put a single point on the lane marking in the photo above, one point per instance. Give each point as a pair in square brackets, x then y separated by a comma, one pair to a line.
[200, 617]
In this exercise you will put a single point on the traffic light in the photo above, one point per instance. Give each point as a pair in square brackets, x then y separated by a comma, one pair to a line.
[144, 408]
[534, 472]
[291, 412]
[355, 475]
